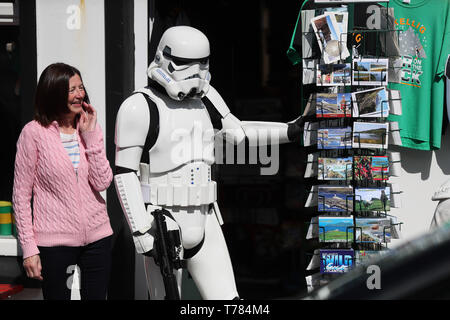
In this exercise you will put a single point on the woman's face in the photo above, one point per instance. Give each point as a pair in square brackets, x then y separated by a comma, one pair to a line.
[76, 94]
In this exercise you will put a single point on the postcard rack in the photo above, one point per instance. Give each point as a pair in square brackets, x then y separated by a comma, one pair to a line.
[346, 103]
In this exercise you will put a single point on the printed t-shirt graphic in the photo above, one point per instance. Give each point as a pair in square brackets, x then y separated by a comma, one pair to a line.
[418, 69]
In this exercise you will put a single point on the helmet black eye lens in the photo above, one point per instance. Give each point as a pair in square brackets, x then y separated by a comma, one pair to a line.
[182, 62]
[179, 62]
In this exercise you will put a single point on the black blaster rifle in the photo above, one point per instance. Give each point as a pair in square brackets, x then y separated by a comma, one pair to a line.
[167, 255]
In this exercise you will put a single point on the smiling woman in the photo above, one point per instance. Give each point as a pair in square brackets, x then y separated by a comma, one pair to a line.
[61, 161]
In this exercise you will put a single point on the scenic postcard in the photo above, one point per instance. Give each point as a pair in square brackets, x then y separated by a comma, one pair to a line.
[373, 230]
[370, 72]
[380, 168]
[333, 105]
[371, 168]
[334, 138]
[332, 42]
[336, 229]
[335, 168]
[336, 260]
[335, 198]
[370, 135]
[372, 199]
[333, 74]
[371, 103]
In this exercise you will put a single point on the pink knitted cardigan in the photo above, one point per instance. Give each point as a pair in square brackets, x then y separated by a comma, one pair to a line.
[68, 209]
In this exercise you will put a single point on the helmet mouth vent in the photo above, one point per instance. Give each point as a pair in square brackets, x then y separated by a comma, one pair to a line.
[192, 93]
[194, 76]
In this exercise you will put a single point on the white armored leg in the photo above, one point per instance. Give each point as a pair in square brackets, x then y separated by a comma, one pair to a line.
[211, 267]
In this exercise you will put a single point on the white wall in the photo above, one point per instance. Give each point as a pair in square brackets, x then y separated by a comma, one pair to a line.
[423, 172]
[73, 32]
[140, 80]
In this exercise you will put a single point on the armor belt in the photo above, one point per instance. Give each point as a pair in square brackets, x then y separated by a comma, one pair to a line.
[179, 195]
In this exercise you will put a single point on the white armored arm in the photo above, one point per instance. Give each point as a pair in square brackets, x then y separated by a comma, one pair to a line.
[259, 133]
[132, 124]
[231, 126]
[263, 133]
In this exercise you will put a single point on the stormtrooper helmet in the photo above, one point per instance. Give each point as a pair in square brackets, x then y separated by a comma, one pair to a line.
[181, 63]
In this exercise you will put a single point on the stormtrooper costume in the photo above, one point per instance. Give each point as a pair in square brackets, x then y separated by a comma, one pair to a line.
[176, 121]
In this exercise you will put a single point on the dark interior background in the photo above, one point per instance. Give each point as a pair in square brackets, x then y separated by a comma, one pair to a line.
[264, 225]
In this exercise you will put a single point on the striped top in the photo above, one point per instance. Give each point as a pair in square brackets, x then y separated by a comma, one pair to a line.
[70, 143]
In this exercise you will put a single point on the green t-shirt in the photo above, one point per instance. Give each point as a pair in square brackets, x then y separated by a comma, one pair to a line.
[418, 69]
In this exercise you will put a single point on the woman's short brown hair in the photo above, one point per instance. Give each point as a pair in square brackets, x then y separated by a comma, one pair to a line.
[52, 92]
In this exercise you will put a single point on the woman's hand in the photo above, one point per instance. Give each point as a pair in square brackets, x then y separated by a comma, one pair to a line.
[33, 267]
[88, 119]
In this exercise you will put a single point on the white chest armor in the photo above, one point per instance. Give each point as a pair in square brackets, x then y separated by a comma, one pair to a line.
[179, 172]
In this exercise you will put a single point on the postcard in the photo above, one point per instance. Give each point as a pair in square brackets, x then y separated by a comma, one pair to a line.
[336, 229]
[333, 105]
[371, 168]
[370, 135]
[370, 72]
[372, 199]
[336, 260]
[342, 22]
[335, 168]
[371, 103]
[341, 8]
[335, 198]
[341, 15]
[373, 230]
[334, 74]
[334, 138]
[332, 42]
[380, 168]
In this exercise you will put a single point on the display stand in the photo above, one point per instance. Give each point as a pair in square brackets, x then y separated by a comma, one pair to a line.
[346, 104]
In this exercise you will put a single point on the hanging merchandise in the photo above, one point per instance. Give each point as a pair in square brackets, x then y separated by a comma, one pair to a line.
[347, 133]
[417, 69]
